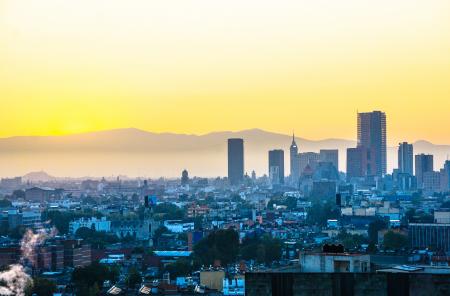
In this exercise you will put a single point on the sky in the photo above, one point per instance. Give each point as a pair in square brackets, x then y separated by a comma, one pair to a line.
[200, 66]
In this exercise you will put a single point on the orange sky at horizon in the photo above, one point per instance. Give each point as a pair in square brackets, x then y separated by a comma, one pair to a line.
[198, 66]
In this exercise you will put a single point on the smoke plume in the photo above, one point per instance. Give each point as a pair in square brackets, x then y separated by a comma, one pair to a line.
[15, 280]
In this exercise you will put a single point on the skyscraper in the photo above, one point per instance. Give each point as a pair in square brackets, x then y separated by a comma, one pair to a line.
[295, 165]
[235, 161]
[276, 166]
[360, 163]
[372, 135]
[445, 177]
[405, 158]
[330, 155]
[424, 163]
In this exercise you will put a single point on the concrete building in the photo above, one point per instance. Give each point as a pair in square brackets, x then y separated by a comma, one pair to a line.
[235, 161]
[212, 279]
[372, 135]
[177, 226]
[330, 155]
[39, 194]
[330, 262]
[11, 183]
[76, 253]
[360, 163]
[434, 236]
[276, 166]
[399, 282]
[423, 164]
[26, 218]
[405, 158]
[308, 158]
[431, 182]
[445, 177]
[92, 223]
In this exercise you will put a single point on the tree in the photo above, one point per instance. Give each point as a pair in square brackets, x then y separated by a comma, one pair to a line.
[220, 245]
[394, 240]
[134, 278]
[351, 241]
[98, 239]
[181, 267]
[321, 211]
[18, 194]
[42, 287]
[262, 249]
[374, 227]
[90, 278]
[4, 203]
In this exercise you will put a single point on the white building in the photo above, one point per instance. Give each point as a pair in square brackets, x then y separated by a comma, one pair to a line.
[91, 223]
[178, 226]
[330, 262]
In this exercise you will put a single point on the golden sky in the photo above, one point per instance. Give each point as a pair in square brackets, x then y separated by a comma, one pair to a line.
[198, 66]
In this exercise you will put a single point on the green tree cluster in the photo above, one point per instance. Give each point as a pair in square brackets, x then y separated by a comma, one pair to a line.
[220, 245]
[261, 249]
[89, 280]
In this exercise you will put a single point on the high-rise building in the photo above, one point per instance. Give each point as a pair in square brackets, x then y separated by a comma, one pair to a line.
[360, 163]
[295, 165]
[424, 163]
[276, 166]
[372, 135]
[330, 155]
[445, 177]
[405, 158]
[308, 158]
[235, 161]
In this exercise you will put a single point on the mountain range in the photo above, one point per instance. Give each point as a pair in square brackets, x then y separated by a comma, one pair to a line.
[135, 152]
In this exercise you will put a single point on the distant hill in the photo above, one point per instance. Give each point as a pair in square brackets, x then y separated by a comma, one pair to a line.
[139, 153]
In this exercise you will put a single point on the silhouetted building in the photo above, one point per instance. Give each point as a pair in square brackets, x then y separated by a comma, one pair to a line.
[235, 161]
[405, 158]
[360, 163]
[295, 165]
[424, 163]
[372, 136]
[445, 177]
[308, 159]
[184, 178]
[276, 166]
[330, 155]
[431, 182]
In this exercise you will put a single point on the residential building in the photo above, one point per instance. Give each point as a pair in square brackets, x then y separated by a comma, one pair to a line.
[405, 158]
[423, 164]
[372, 136]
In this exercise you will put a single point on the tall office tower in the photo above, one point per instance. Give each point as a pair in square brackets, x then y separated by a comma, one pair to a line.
[405, 158]
[276, 166]
[307, 158]
[424, 163]
[235, 161]
[360, 163]
[330, 155]
[372, 135]
[295, 165]
[445, 177]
